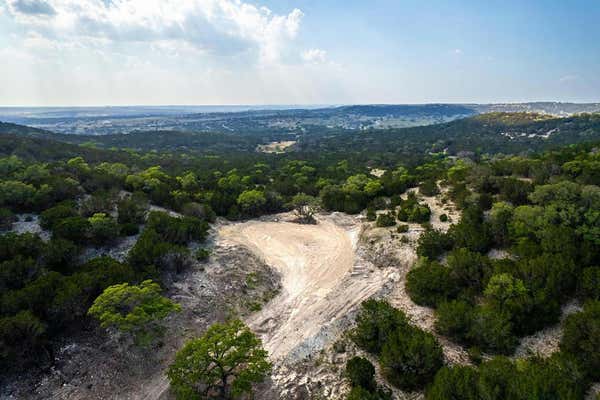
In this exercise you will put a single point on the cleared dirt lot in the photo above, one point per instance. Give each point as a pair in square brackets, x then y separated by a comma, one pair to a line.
[319, 277]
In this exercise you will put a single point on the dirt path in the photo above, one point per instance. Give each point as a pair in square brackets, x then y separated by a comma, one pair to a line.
[320, 281]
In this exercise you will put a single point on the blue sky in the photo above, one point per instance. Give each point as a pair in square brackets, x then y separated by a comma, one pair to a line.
[120, 52]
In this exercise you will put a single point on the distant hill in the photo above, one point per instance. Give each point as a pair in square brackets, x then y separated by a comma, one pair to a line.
[491, 133]
[254, 121]
[510, 133]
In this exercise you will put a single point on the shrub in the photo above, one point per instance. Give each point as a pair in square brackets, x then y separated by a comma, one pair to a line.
[103, 228]
[384, 220]
[410, 358]
[443, 218]
[492, 330]
[581, 338]
[52, 216]
[6, 219]
[129, 229]
[588, 287]
[202, 254]
[429, 283]
[458, 382]
[22, 338]
[177, 230]
[60, 255]
[433, 243]
[75, 229]
[403, 228]
[361, 373]
[429, 188]
[419, 214]
[376, 320]
[132, 210]
[454, 319]
[371, 215]
[469, 270]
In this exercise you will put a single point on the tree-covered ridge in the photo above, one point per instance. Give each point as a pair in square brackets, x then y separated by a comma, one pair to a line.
[512, 119]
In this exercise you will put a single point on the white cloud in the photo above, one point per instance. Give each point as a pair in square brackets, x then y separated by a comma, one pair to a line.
[222, 27]
[457, 51]
[314, 56]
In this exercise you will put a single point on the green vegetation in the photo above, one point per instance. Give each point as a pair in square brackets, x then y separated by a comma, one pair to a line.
[409, 357]
[223, 363]
[542, 209]
[133, 309]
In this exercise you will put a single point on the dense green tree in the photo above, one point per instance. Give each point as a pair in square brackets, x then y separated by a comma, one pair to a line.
[223, 363]
[251, 202]
[134, 309]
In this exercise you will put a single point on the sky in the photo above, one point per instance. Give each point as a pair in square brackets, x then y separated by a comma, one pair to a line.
[207, 52]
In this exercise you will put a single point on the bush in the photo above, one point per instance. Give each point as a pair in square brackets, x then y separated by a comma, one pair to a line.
[469, 270]
[202, 254]
[371, 215]
[403, 228]
[22, 338]
[430, 283]
[361, 373]
[384, 220]
[420, 214]
[429, 188]
[459, 382]
[433, 243]
[52, 216]
[443, 218]
[6, 219]
[132, 210]
[581, 338]
[588, 287]
[492, 330]
[60, 255]
[129, 229]
[454, 319]
[410, 358]
[175, 230]
[376, 320]
[75, 229]
[103, 228]
[27, 245]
